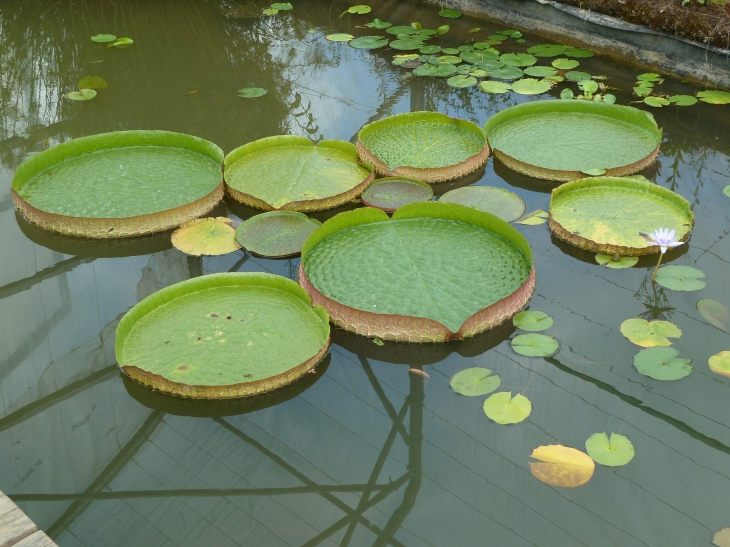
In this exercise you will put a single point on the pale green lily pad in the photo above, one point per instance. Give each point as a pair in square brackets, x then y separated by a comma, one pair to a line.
[360, 9]
[577, 76]
[593, 172]
[92, 82]
[450, 13]
[497, 87]
[682, 100]
[430, 50]
[368, 42]
[642, 91]
[535, 345]
[474, 30]
[505, 73]
[540, 71]
[206, 236]
[378, 24]
[340, 37]
[271, 11]
[609, 99]
[82, 95]
[616, 262]
[578, 52]
[532, 321]
[291, 172]
[612, 452]
[518, 59]
[464, 70]
[649, 77]
[534, 219]
[479, 73]
[726, 191]
[715, 313]
[566, 94]
[475, 381]
[103, 38]
[121, 43]
[680, 278]
[714, 97]
[656, 102]
[222, 335]
[720, 363]
[443, 29]
[276, 234]
[504, 409]
[565, 64]
[282, 6]
[530, 86]
[662, 363]
[450, 59]
[649, 333]
[406, 44]
[500, 202]
[391, 193]
[721, 538]
[462, 81]
[251, 92]
[546, 50]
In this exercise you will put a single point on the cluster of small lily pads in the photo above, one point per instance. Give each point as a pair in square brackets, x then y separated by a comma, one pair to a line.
[89, 85]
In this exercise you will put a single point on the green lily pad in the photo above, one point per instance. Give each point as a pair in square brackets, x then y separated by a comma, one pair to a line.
[222, 336]
[451, 51]
[518, 59]
[578, 52]
[577, 76]
[609, 99]
[430, 50]
[498, 37]
[649, 333]
[407, 258]
[450, 59]
[406, 44]
[644, 84]
[270, 11]
[478, 56]
[532, 321]
[443, 29]
[450, 13]
[289, 172]
[616, 262]
[103, 38]
[251, 92]
[594, 172]
[562, 466]
[360, 9]
[474, 30]
[726, 191]
[282, 6]
[649, 77]
[398, 60]
[588, 86]
[546, 50]
[276, 234]
[656, 102]
[715, 313]
[642, 91]
[566, 94]
[535, 345]
[530, 86]
[662, 364]
[121, 43]
[565, 64]
[612, 452]
[714, 97]
[502, 203]
[462, 81]
[534, 219]
[504, 409]
[720, 363]
[402, 30]
[479, 73]
[82, 95]
[540, 71]
[368, 42]
[475, 381]
[437, 71]
[378, 24]
[682, 100]
[464, 70]
[495, 87]
[391, 193]
[680, 278]
[341, 37]
[92, 82]
[206, 236]
[506, 73]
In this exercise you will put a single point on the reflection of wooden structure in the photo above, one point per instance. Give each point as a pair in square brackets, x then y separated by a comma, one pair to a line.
[17, 530]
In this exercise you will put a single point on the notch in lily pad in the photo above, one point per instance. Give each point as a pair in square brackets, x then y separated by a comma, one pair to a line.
[504, 409]
[662, 363]
[535, 345]
[680, 278]
[649, 333]
[378, 24]
[562, 466]
[497, 201]
[251, 92]
[276, 234]
[475, 381]
[534, 218]
[360, 9]
[612, 452]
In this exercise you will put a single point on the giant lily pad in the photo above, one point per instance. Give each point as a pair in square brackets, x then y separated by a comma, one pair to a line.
[505, 409]
[662, 363]
[607, 214]
[680, 278]
[612, 452]
[391, 193]
[720, 363]
[206, 236]
[426, 146]
[222, 336]
[276, 234]
[475, 381]
[649, 333]
[436, 271]
[561, 466]
[497, 201]
[120, 184]
[291, 173]
[620, 139]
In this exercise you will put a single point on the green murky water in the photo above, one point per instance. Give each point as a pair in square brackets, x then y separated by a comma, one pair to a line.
[363, 452]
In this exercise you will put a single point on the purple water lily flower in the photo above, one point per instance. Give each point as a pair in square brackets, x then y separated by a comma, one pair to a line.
[664, 238]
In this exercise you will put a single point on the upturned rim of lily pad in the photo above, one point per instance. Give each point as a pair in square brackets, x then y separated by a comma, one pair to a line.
[434, 174]
[116, 227]
[626, 114]
[242, 389]
[640, 187]
[406, 328]
[328, 202]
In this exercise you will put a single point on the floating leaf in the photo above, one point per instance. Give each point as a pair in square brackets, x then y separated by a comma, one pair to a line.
[680, 278]
[498, 37]
[714, 97]
[577, 76]
[92, 82]
[103, 38]
[498, 87]
[588, 86]
[475, 381]
[276, 234]
[566, 94]
[644, 84]
[342, 37]
[722, 538]
[443, 29]
[726, 191]
[368, 42]
[122, 43]
[609, 99]
[391, 193]
[530, 86]
[617, 262]
[512, 33]
[451, 59]
[649, 333]
[561, 466]
[479, 73]
[594, 172]
[505, 409]
[82, 95]
[649, 77]
[540, 71]
[430, 50]
[378, 24]
[720, 363]
[532, 321]
[282, 6]
[506, 73]
[500, 202]
[406, 44]
[360, 9]
[565, 64]
[251, 92]
[534, 345]
[578, 52]
[402, 30]
[451, 51]
[518, 59]
[438, 71]
[398, 60]
[535, 218]
[642, 91]
[450, 13]
[464, 69]
[656, 102]
[478, 56]
[662, 364]
[717, 314]
[612, 452]
[462, 81]
[271, 11]
[546, 50]
[474, 30]
[682, 100]
[206, 236]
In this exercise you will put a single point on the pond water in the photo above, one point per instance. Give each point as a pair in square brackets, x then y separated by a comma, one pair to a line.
[364, 452]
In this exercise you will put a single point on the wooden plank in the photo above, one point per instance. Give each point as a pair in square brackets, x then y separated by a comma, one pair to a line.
[15, 526]
[38, 539]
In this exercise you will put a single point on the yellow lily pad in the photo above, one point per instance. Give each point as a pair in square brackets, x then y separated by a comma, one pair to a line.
[206, 236]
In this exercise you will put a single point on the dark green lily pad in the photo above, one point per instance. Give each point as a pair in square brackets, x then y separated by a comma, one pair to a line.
[612, 452]
[530, 86]
[475, 381]
[500, 202]
[662, 363]
[546, 50]
[532, 321]
[251, 92]
[578, 52]
[577, 76]
[430, 50]
[103, 38]
[450, 13]
[437, 71]
[451, 51]
[368, 42]
[535, 345]
[391, 193]
[518, 59]
[479, 56]
[406, 44]
[715, 313]
[402, 30]
[680, 278]
[378, 24]
[505, 409]
[276, 234]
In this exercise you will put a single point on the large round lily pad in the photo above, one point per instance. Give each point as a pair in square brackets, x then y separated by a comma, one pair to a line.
[291, 173]
[498, 201]
[222, 335]
[609, 214]
[121, 184]
[426, 146]
[434, 272]
[391, 193]
[556, 140]
[276, 234]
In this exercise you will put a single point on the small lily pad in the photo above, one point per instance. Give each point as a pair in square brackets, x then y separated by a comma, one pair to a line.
[430, 50]
[398, 60]
[479, 73]
[121, 43]
[450, 13]
[662, 364]
[252, 92]
[500, 202]
[402, 29]
[276, 234]
[722, 538]
[546, 50]
[443, 29]
[506, 73]
[642, 91]
[566, 94]
[368, 42]
[378, 24]
[462, 81]
[715, 313]
[535, 218]
[649, 333]
[405, 44]
[474, 30]
[505, 409]
[649, 77]
[450, 59]
[594, 172]
[392, 193]
[103, 38]
[497, 87]
[565, 64]
[438, 71]
[475, 381]
[271, 11]
[451, 51]
[682, 100]
[498, 37]
[612, 452]
[530, 86]
[532, 321]
[561, 466]
[720, 363]
[92, 82]
[341, 37]
[714, 97]
[206, 236]
[680, 278]
[82, 95]
[518, 59]
[535, 345]
[656, 102]
[540, 71]
[726, 191]
[577, 76]
[282, 6]
[360, 9]
[578, 52]
[617, 262]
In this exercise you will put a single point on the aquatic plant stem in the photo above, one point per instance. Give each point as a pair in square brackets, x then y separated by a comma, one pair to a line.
[656, 269]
